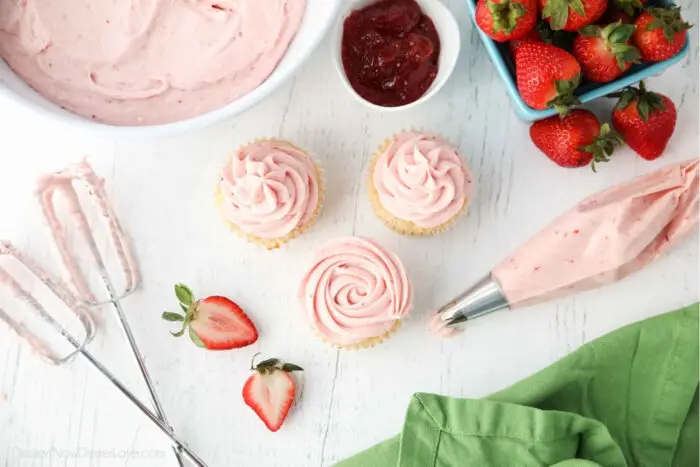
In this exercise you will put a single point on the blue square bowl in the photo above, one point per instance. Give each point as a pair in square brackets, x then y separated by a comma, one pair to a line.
[505, 68]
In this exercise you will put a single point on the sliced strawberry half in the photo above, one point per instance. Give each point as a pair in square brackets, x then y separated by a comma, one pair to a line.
[214, 323]
[270, 391]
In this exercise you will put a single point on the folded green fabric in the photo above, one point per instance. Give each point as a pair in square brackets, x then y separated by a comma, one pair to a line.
[629, 398]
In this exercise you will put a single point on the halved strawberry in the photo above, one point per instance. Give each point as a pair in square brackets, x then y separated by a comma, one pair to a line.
[270, 390]
[214, 323]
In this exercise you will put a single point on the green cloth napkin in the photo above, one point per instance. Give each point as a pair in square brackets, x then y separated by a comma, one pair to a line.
[629, 398]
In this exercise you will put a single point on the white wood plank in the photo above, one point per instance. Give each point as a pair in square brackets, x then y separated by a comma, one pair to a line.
[163, 189]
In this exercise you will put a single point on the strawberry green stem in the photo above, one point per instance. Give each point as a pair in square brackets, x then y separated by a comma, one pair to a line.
[647, 101]
[669, 19]
[271, 365]
[616, 37]
[188, 303]
[603, 146]
[565, 99]
[558, 12]
[252, 360]
[505, 15]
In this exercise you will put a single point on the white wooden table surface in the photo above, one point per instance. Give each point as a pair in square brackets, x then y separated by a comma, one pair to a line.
[162, 190]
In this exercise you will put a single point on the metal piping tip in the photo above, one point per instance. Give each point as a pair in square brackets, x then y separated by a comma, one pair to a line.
[482, 298]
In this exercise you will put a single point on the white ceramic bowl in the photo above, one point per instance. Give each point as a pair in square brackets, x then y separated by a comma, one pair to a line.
[447, 29]
[318, 18]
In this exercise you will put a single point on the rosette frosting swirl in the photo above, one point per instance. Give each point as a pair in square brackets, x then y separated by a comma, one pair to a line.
[355, 290]
[420, 178]
[270, 188]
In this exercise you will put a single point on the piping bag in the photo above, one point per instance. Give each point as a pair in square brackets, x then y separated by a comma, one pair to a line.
[602, 240]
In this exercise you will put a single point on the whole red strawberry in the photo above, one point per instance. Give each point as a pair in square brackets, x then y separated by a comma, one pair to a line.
[574, 140]
[214, 323]
[570, 15]
[605, 53]
[504, 20]
[270, 391]
[660, 33]
[547, 76]
[645, 119]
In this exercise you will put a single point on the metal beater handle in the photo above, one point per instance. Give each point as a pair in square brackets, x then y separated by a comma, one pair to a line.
[179, 444]
[83, 173]
[126, 330]
[61, 291]
[155, 401]
[191, 456]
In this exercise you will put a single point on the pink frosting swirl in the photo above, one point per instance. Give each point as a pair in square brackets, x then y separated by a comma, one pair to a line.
[355, 290]
[420, 178]
[270, 188]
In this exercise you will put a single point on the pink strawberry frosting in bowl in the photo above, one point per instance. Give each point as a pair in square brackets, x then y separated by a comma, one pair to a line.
[270, 189]
[355, 291]
[422, 179]
[150, 67]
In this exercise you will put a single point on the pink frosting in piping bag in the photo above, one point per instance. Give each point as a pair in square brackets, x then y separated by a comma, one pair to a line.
[605, 238]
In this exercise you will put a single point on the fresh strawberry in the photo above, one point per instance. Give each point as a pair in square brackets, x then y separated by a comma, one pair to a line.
[660, 33]
[214, 323]
[269, 391]
[570, 15]
[645, 119]
[504, 20]
[574, 140]
[547, 76]
[605, 53]
[627, 6]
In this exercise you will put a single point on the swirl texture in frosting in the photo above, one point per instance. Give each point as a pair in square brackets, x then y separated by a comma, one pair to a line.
[355, 290]
[143, 62]
[270, 189]
[420, 178]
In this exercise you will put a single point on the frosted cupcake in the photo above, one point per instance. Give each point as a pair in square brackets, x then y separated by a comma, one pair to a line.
[355, 293]
[419, 184]
[270, 192]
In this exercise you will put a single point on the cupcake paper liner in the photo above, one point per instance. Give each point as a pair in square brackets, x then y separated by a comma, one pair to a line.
[365, 344]
[402, 226]
[275, 243]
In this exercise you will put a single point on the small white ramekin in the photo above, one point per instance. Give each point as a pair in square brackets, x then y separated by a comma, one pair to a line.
[450, 42]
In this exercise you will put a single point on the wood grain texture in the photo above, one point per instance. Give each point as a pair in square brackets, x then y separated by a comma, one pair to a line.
[347, 401]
